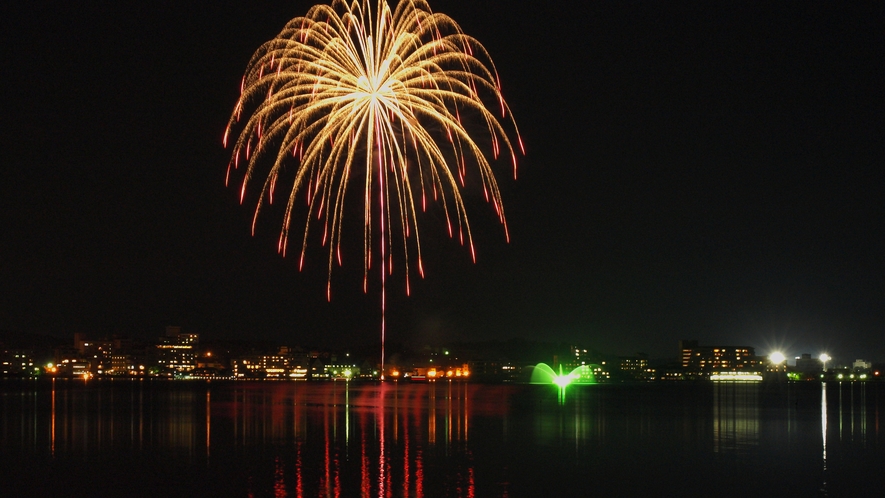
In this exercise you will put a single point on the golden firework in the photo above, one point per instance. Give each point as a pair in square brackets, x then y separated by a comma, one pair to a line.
[357, 93]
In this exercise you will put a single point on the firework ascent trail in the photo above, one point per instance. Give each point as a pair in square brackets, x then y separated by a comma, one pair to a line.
[360, 93]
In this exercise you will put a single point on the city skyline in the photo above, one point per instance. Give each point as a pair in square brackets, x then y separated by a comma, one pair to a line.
[188, 350]
[691, 171]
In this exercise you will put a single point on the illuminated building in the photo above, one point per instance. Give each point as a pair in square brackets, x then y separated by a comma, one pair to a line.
[16, 362]
[636, 367]
[73, 367]
[861, 366]
[702, 361]
[175, 351]
[671, 374]
[284, 364]
[121, 364]
[100, 353]
[120, 358]
[97, 353]
[686, 350]
[583, 357]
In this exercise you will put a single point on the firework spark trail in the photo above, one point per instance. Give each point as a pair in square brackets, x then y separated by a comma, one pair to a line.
[357, 83]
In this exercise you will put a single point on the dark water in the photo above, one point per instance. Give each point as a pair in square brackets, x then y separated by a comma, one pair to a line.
[176, 438]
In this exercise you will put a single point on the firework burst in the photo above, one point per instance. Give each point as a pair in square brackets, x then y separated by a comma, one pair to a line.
[360, 94]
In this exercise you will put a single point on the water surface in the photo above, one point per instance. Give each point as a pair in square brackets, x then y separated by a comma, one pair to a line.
[197, 438]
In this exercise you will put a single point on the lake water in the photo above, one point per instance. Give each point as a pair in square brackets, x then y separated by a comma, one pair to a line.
[197, 438]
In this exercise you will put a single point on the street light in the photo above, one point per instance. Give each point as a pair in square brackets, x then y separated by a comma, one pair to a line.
[824, 358]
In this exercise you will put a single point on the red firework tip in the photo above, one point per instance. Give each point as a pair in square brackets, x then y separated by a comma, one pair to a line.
[420, 267]
[224, 140]
[243, 192]
[472, 252]
[301, 262]
[329, 291]
[521, 146]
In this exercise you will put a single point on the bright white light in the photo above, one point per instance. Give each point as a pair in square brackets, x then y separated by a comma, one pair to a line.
[776, 358]
[825, 357]
[736, 376]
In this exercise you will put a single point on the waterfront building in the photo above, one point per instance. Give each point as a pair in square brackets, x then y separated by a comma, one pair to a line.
[592, 360]
[284, 364]
[861, 366]
[73, 367]
[636, 367]
[175, 350]
[17, 362]
[701, 361]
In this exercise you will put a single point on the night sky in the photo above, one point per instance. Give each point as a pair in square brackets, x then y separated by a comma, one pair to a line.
[697, 170]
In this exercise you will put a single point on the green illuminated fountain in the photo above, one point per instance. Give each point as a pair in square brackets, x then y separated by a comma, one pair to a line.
[543, 374]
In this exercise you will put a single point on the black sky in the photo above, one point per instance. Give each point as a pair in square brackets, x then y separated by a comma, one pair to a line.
[707, 170]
